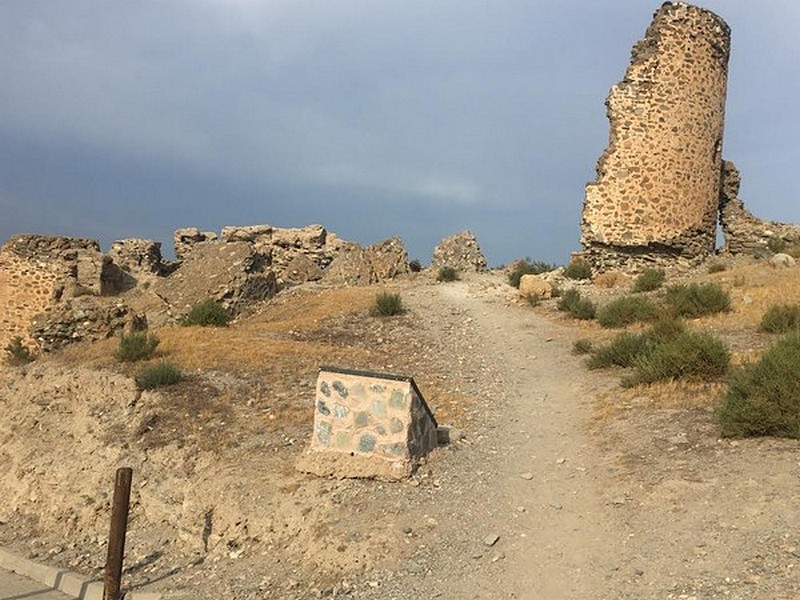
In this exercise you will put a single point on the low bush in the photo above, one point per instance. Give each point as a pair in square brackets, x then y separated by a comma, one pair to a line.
[781, 319]
[388, 305]
[776, 245]
[716, 268]
[582, 346]
[526, 266]
[139, 345]
[578, 270]
[572, 303]
[665, 328]
[208, 313]
[622, 351]
[649, 280]
[17, 353]
[626, 310]
[763, 398]
[695, 300]
[415, 266]
[158, 375]
[533, 299]
[447, 274]
[693, 356]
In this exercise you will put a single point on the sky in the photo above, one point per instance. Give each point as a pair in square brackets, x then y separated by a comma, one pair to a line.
[374, 118]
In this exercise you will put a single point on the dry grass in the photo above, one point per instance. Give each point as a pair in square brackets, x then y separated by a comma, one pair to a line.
[665, 395]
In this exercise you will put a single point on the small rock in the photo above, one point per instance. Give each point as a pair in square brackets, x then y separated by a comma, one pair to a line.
[491, 539]
[526, 476]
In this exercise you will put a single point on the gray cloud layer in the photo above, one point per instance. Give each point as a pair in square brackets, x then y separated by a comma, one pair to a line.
[374, 118]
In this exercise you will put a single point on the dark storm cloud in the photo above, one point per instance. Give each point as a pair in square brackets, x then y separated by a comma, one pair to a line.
[373, 118]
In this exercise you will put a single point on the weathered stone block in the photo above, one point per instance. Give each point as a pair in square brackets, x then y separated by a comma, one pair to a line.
[380, 426]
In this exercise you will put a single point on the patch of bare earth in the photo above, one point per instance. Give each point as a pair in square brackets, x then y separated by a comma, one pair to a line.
[566, 486]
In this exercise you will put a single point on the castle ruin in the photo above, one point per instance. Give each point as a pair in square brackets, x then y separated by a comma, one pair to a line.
[656, 195]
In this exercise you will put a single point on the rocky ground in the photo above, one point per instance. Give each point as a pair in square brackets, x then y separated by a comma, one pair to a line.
[565, 486]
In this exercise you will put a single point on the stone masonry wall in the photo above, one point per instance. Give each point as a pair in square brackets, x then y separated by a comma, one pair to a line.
[657, 188]
[743, 232]
[33, 272]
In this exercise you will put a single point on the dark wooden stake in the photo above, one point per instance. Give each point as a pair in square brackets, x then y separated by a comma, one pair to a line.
[116, 535]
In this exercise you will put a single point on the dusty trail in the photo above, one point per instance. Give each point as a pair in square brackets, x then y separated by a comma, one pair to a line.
[552, 496]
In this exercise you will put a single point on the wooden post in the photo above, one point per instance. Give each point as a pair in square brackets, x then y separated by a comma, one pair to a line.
[116, 535]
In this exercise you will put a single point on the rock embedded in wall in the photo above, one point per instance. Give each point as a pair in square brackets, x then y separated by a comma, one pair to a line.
[231, 273]
[356, 265]
[459, 251]
[743, 232]
[184, 240]
[138, 256]
[655, 198]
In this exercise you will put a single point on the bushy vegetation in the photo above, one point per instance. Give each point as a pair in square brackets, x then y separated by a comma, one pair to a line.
[666, 350]
[781, 318]
[208, 313]
[17, 353]
[716, 268]
[139, 345]
[533, 299]
[572, 303]
[578, 270]
[697, 299]
[626, 310]
[763, 398]
[692, 356]
[388, 305]
[158, 375]
[622, 351]
[582, 346]
[649, 280]
[776, 245]
[415, 266]
[447, 274]
[526, 266]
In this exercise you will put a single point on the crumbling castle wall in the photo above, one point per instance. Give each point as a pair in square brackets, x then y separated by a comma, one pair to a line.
[656, 195]
[36, 272]
[743, 232]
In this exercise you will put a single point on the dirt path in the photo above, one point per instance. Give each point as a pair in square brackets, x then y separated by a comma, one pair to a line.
[535, 478]
[551, 501]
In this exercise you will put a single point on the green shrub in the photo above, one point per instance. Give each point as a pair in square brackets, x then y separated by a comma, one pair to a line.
[139, 345]
[694, 356]
[556, 292]
[781, 319]
[447, 274]
[158, 375]
[649, 280]
[388, 305]
[622, 351]
[716, 268]
[17, 353]
[576, 306]
[626, 310]
[526, 266]
[763, 398]
[533, 299]
[695, 300]
[582, 346]
[666, 327]
[208, 313]
[415, 266]
[578, 270]
[776, 245]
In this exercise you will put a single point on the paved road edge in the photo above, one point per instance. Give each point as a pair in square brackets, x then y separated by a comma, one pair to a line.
[62, 580]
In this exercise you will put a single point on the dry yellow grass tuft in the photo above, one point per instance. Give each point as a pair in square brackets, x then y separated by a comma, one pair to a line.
[660, 396]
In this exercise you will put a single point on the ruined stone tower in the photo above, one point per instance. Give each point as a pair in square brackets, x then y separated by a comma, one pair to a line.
[656, 195]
